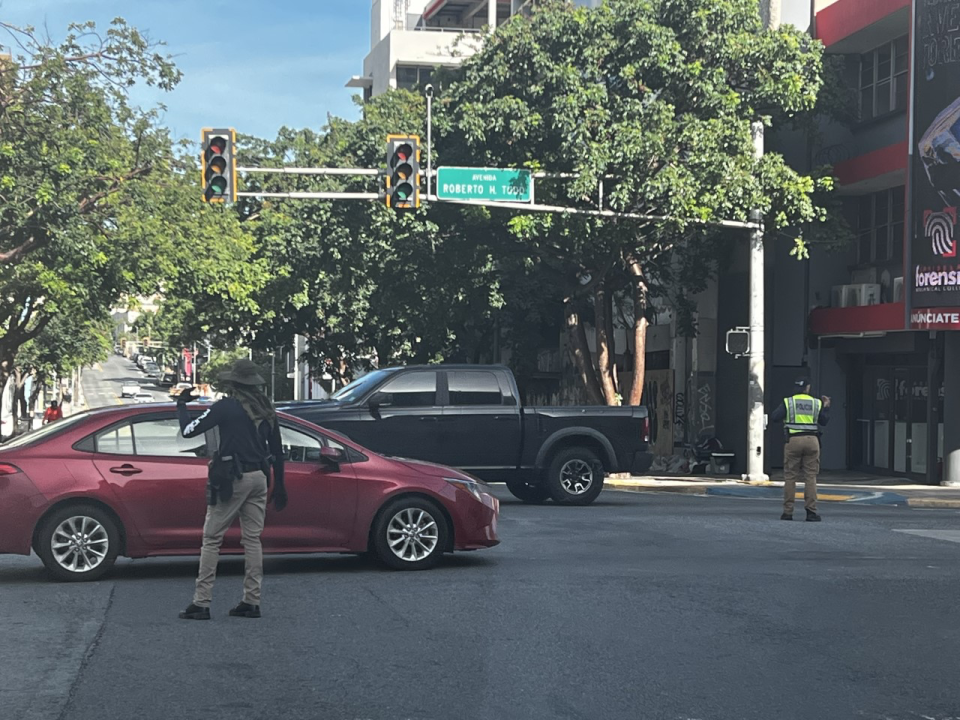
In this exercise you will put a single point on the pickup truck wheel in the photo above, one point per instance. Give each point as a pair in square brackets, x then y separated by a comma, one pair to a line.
[527, 492]
[575, 476]
[410, 534]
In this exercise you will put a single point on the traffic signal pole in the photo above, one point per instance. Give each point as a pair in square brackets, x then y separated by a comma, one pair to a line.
[756, 365]
[330, 195]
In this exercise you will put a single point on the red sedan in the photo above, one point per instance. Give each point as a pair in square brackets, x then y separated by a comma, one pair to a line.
[123, 481]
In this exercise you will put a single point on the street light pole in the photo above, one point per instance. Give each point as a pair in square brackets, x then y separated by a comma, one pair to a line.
[273, 375]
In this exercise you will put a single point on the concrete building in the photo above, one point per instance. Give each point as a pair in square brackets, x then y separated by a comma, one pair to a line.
[409, 39]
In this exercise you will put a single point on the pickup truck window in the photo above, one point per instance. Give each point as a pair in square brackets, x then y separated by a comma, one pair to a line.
[416, 389]
[359, 387]
[472, 387]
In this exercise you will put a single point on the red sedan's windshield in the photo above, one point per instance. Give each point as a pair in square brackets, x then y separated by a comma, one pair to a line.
[44, 432]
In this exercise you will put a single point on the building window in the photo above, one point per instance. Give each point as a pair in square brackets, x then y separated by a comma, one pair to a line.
[883, 79]
[880, 226]
[413, 77]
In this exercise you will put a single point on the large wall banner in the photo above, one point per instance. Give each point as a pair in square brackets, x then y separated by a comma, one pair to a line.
[933, 269]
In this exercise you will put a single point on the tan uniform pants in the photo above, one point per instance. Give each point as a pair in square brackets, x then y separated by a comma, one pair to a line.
[801, 461]
[249, 502]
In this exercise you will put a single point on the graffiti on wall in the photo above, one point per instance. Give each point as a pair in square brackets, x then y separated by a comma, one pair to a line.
[680, 417]
[659, 399]
[704, 417]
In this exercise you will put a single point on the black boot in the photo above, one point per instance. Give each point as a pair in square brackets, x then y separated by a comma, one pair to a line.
[812, 516]
[786, 517]
[246, 610]
[195, 612]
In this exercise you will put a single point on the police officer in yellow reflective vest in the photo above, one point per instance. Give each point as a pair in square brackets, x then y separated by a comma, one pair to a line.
[802, 416]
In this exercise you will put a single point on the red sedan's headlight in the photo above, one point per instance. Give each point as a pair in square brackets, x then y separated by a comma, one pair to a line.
[8, 469]
[469, 485]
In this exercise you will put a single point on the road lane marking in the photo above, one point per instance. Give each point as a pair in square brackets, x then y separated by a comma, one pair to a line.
[948, 535]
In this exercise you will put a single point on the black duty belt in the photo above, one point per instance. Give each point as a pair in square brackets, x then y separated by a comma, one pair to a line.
[251, 467]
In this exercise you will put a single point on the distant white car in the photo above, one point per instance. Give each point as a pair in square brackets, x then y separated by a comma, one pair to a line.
[179, 387]
[129, 390]
[143, 397]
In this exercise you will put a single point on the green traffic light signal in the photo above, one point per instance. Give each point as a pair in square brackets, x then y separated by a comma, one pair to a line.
[403, 171]
[218, 170]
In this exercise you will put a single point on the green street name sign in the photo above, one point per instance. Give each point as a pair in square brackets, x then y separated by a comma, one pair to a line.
[463, 183]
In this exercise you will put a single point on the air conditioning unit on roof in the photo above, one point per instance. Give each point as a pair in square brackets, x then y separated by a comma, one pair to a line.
[862, 294]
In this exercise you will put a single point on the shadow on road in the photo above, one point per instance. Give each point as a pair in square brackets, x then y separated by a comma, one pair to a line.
[159, 568]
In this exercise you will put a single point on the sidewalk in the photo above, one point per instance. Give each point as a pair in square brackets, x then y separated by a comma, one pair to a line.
[832, 487]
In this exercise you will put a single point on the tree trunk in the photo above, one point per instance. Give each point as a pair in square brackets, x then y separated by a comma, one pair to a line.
[38, 383]
[639, 331]
[581, 352]
[21, 398]
[605, 353]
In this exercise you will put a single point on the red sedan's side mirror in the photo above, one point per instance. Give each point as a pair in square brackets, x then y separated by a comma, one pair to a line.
[331, 456]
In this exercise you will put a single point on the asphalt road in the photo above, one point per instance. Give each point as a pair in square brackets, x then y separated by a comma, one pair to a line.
[639, 606]
[101, 386]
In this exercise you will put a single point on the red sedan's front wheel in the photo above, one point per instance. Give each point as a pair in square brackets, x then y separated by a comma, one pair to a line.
[78, 543]
[410, 534]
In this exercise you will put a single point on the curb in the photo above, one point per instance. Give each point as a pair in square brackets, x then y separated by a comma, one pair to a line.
[679, 489]
[736, 490]
[927, 502]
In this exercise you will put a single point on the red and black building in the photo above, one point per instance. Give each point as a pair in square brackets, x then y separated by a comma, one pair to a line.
[877, 324]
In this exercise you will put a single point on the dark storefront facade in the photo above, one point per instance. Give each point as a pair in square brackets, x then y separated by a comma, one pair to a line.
[884, 321]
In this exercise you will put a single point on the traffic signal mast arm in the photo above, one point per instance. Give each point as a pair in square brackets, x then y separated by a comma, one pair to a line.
[529, 207]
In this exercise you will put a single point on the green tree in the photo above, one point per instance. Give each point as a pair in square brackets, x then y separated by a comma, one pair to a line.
[655, 99]
[72, 151]
[62, 345]
[364, 283]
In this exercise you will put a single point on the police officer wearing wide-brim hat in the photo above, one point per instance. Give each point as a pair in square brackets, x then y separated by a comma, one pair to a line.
[802, 415]
[237, 486]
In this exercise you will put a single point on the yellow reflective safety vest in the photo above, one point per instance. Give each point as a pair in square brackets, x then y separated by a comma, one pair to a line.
[803, 412]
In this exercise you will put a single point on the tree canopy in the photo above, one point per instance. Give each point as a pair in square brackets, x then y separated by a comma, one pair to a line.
[655, 100]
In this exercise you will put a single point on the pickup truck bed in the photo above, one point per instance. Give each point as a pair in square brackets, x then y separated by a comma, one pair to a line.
[470, 417]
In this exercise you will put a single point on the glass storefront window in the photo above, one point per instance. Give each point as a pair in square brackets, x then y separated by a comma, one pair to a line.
[892, 421]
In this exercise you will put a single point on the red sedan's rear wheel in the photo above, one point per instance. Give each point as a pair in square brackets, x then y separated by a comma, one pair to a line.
[410, 534]
[79, 543]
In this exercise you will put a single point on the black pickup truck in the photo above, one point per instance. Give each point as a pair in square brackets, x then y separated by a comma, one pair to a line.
[470, 417]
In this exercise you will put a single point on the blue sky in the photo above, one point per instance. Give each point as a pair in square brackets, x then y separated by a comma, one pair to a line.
[255, 65]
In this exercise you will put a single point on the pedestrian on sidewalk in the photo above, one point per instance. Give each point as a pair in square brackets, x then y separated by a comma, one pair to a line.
[52, 413]
[238, 481]
[802, 415]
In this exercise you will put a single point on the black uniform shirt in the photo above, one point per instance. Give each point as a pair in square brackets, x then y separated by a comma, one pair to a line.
[238, 435]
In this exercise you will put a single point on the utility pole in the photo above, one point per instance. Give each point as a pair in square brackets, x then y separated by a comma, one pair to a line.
[273, 375]
[756, 366]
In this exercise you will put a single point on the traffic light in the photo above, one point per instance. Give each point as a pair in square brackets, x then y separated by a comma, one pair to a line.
[219, 165]
[403, 171]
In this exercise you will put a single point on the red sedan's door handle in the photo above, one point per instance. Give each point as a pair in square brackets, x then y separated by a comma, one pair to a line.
[126, 469]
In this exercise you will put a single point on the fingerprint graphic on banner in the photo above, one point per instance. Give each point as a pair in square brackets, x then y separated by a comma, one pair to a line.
[939, 228]
[883, 389]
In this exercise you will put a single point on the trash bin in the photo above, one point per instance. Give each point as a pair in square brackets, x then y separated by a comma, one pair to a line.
[721, 463]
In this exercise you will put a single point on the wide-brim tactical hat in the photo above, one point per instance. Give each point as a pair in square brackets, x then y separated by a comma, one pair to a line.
[243, 372]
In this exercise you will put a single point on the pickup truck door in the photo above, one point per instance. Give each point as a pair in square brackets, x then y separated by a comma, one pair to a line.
[482, 422]
[406, 419]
